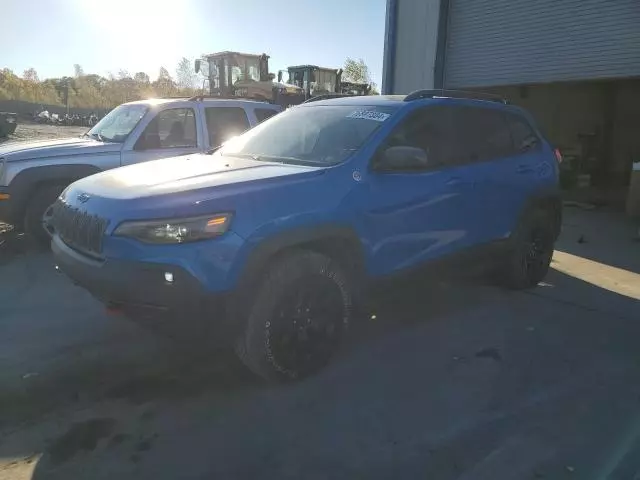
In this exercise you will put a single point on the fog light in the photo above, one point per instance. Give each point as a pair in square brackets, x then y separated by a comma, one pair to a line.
[168, 276]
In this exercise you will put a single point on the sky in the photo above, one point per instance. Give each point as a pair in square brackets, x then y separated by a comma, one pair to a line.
[106, 36]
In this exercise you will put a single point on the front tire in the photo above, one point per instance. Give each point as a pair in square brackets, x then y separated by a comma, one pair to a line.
[38, 215]
[530, 251]
[299, 316]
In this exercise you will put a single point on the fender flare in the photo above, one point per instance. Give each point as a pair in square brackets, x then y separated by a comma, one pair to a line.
[313, 237]
[27, 180]
[549, 201]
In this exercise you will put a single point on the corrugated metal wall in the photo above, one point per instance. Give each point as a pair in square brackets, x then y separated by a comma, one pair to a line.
[415, 49]
[502, 42]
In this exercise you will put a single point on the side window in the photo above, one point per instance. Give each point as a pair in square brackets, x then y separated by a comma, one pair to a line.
[224, 123]
[263, 113]
[172, 128]
[480, 134]
[523, 135]
[428, 129]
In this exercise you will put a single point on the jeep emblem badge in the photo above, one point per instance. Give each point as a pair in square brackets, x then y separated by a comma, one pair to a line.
[83, 197]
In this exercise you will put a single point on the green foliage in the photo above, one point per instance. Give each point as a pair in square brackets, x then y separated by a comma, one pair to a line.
[358, 72]
[95, 91]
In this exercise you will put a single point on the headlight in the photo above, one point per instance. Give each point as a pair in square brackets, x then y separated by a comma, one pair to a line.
[176, 230]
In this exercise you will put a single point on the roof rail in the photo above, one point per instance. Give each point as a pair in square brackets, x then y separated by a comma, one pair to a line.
[199, 98]
[327, 96]
[418, 94]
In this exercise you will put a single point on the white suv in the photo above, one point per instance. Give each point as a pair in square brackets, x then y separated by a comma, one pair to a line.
[33, 174]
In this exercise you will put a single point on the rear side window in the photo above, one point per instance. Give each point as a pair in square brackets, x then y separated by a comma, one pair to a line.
[480, 134]
[224, 123]
[171, 128]
[523, 135]
[263, 113]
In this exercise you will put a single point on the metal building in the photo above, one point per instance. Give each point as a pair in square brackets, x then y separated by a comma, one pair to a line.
[574, 63]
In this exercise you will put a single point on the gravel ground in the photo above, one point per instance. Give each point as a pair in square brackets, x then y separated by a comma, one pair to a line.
[448, 381]
[34, 131]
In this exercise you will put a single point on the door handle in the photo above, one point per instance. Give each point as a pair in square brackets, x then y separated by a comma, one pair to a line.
[453, 182]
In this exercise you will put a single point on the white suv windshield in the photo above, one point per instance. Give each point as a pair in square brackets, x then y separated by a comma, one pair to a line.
[118, 123]
[317, 135]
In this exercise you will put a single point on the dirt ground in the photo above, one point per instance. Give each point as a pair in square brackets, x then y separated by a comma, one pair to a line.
[447, 381]
[35, 131]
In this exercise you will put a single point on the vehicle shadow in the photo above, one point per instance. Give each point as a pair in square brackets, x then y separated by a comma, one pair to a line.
[604, 236]
[448, 376]
[440, 378]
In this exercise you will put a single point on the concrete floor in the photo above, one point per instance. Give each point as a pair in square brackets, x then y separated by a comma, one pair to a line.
[448, 381]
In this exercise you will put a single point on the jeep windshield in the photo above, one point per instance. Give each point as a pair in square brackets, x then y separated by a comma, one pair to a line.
[118, 123]
[311, 135]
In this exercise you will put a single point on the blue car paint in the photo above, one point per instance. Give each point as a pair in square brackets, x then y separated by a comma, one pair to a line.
[400, 219]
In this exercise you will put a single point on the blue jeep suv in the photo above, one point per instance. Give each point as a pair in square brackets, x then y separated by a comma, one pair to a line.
[269, 241]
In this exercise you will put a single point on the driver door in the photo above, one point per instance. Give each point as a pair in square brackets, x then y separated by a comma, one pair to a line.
[171, 133]
[411, 217]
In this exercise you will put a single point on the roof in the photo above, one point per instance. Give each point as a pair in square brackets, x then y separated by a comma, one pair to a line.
[430, 95]
[360, 100]
[312, 67]
[162, 101]
[228, 52]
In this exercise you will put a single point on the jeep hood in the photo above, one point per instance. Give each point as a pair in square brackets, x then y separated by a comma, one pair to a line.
[179, 174]
[64, 147]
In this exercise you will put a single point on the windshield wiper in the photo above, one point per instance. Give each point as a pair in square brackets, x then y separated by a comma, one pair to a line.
[213, 150]
[95, 136]
[251, 156]
[275, 159]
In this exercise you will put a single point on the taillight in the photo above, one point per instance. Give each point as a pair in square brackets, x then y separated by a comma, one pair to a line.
[558, 155]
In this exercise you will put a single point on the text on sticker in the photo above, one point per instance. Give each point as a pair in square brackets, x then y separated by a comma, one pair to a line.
[369, 115]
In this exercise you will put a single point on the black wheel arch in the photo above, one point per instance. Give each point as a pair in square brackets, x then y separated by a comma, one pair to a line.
[29, 179]
[549, 202]
[341, 243]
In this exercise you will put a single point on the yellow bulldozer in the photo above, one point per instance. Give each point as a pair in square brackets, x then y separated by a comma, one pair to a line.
[235, 74]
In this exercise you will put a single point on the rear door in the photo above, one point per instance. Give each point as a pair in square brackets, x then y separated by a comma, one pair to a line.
[172, 132]
[483, 150]
[262, 114]
[224, 122]
[532, 168]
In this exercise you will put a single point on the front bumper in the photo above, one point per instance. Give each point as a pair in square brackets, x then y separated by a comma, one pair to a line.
[140, 290]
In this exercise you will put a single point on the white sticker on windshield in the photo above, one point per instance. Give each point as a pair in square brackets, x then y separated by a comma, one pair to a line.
[369, 115]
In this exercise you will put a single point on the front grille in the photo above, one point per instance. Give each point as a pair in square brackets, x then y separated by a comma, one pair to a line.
[78, 228]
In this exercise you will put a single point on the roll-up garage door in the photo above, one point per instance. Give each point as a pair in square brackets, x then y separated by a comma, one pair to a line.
[510, 42]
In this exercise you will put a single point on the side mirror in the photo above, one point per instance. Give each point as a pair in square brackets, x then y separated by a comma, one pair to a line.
[196, 66]
[398, 159]
[280, 76]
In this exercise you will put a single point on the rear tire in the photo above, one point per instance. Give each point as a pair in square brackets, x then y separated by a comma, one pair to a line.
[299, 315]
[38, 214]
[530, 251]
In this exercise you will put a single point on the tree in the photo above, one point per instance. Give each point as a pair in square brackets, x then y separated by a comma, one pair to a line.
[94, 91]
[186, 75]
[30, 75]
[164, 85]
[357, 71]
[142, 78]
